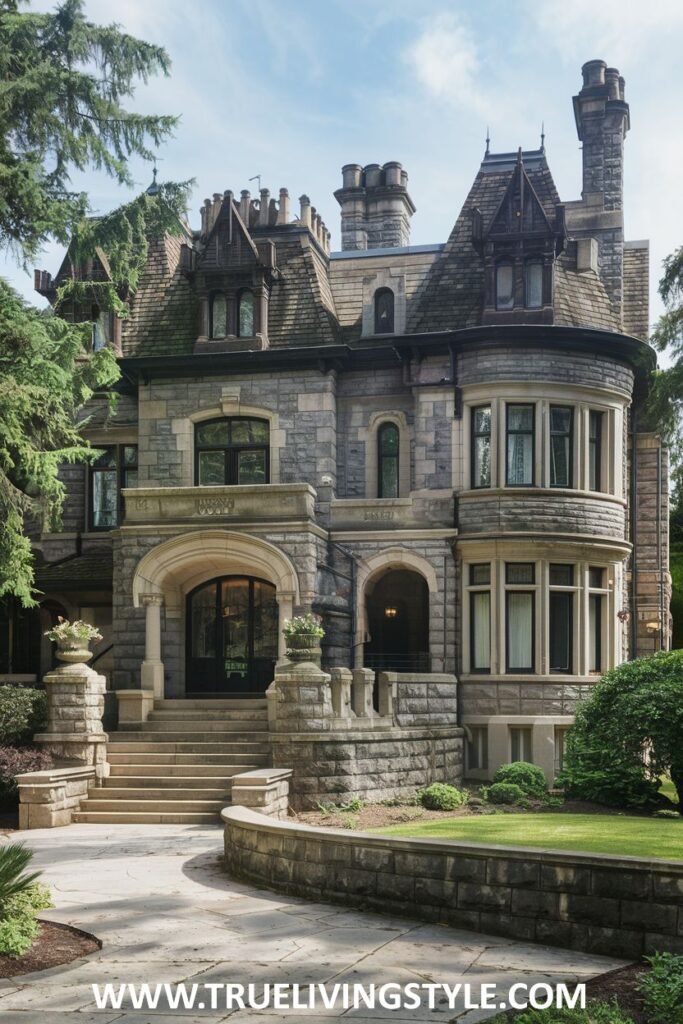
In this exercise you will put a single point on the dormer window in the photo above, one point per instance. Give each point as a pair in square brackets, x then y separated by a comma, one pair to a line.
[384, 311]
[245, 314]
[505, 296]
[533, 284]
[218, 308]
[101, 328]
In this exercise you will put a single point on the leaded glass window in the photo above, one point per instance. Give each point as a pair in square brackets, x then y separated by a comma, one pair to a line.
[232, 451]
[387, 460]
[481, 446]
[520, 445]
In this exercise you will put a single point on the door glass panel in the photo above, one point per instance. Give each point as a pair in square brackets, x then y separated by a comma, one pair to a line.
[204, 623]
[251, 467]
[265, 621]
[211, 468]
[235, 615]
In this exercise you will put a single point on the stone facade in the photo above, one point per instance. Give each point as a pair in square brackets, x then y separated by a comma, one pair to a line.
[377, 500]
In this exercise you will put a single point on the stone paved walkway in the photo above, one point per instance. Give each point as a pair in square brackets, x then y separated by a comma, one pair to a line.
[158, 899]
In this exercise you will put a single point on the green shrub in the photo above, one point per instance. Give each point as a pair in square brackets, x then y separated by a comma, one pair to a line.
[605, 776]
[439, 796]
[667, 812]
[554, 801]
[529, 777]
[595, 1013]
[505, 793]
[23, 712]
[662, 989]
[14, 858]
[18, 924]
[16, 761]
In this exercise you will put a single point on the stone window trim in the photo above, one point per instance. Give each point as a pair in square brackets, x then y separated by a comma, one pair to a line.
[393, 280]
[370, 436]
[230, 406]
[610, 473]
[582, 588]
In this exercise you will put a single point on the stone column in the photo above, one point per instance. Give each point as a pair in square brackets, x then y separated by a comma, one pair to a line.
[75, 696]
[152, 669]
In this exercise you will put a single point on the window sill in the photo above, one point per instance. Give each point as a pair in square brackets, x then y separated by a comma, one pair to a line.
[558, 492]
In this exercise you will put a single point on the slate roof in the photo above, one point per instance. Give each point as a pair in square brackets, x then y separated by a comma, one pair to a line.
[636, 289]
[93, 570]
[163, 312]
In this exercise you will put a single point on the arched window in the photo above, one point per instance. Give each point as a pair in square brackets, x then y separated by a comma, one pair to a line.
[232, 451]
[218, 311]
[245, 314]
[505, 285]
[533, 284]
[387, 461]
[384, 311]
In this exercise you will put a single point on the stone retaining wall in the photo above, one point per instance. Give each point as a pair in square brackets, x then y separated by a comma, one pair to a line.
[47, 799]
[617, 906]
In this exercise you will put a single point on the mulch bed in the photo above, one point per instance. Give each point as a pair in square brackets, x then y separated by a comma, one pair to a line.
[56, 944]
[620, 985]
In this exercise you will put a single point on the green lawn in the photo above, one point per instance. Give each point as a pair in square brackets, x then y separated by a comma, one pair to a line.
[592, 833]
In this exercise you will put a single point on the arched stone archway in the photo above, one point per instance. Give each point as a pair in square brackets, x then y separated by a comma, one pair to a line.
[170, 571]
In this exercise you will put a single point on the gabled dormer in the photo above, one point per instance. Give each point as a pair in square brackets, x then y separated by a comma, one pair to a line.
[232, 276]
[518, 244]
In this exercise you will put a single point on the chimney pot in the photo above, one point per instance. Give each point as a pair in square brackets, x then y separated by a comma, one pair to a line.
[305, 211]
[372, 174]
[283, 211]
[392, 173]
[264, 208]
[594, 72]
[352, 175]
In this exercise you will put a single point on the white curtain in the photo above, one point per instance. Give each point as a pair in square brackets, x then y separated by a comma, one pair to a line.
[481, 610]
[520, 636]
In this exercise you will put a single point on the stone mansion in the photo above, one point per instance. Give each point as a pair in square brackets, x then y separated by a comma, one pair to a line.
[437, 448]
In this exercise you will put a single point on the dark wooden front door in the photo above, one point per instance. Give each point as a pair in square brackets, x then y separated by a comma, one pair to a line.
[232, 634]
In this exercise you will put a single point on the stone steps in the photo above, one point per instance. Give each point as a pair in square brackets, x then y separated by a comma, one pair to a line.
[178, 766]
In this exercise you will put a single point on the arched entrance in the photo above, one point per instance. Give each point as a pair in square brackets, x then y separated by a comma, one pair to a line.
[232, 636]
[397, 616]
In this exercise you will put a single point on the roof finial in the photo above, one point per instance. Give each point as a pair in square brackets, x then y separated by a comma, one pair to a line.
[488, 141]
[257, 177]
[542, 136]
[155, 187]
[519, 155]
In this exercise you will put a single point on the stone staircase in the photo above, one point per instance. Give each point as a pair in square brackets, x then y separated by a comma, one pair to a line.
[178, 766]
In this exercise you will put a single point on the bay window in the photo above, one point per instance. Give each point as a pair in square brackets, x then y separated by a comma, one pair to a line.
[519, 616]
[561, 423]
[481, 446]
[480, 617]
[520, 445]
[560, 618]
[595, 420]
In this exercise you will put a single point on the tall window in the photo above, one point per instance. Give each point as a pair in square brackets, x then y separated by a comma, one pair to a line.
[561, 422]
[533, 284]
[384, 311]
[480, 617]
[387, 461]
[101, 328]
[481, 446]
[519, 616]
[561, 617]
[232, 451]
[560, 746]
[245, 314]
[115, 469]
[218, 316]
[504, 285]
[520, 445]
[595, 420]
[520, 743]
[478, 747]
[597, 596]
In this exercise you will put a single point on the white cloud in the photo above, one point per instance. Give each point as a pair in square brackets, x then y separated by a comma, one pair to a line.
[623, 29]
[445, 61]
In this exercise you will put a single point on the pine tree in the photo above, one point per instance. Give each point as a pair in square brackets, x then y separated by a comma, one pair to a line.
[63, 83]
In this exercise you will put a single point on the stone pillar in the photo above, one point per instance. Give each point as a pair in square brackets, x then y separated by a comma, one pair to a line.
[75, 696]
[152, 669]
[361, 692]
[341, 692]
[300, 699]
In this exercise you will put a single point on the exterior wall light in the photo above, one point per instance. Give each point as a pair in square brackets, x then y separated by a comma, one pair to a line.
[390, 613]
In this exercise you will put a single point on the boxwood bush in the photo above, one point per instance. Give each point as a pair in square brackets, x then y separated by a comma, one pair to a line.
[529, 777]
[441, 797]
[505, 793]
[23, 712]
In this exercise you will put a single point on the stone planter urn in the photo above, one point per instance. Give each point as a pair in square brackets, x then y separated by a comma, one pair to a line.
[73, 653]
[302, 638]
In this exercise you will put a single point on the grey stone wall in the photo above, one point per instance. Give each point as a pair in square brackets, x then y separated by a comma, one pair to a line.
[622, 907]
[493, 697]
[530, 362]
[542, 513]
[373, 764]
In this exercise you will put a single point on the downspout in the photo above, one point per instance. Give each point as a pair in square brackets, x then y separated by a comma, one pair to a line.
[634, 533]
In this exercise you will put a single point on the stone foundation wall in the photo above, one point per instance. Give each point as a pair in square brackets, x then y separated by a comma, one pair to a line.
[371, 764]
[616, 906]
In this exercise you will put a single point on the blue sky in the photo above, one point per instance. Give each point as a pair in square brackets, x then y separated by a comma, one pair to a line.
[293, 89]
